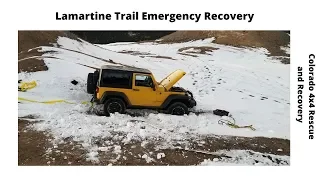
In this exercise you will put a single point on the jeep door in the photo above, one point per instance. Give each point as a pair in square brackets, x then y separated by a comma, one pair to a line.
[143, 92]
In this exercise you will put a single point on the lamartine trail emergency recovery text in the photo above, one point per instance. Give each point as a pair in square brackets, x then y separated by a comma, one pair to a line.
[171, 17]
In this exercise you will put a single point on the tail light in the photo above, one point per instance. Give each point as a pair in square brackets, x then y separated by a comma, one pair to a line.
[97, 90]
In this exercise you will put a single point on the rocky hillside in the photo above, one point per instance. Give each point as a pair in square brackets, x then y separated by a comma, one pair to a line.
[106, 37]
[273, 41]
[29, 58]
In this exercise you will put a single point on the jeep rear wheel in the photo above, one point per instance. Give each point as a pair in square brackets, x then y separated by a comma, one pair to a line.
[178, 108]
[114, 105]
[90, 84]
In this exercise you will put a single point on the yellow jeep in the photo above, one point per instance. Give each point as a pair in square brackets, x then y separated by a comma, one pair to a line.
[123, 87]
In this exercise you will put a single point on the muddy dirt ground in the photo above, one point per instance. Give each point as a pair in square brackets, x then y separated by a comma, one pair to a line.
[35, 148]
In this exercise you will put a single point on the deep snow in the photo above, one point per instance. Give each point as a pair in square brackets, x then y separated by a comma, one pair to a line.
[245, 82]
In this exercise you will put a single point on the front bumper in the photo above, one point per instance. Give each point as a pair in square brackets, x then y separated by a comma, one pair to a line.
[192, 102]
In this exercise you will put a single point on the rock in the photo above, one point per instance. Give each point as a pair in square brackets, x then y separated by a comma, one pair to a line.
[220, 112]
[74, 82]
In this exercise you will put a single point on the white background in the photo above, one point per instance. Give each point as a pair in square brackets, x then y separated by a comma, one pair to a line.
[299, 17]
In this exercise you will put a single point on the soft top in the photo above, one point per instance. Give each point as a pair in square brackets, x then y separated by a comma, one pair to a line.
[126, 68]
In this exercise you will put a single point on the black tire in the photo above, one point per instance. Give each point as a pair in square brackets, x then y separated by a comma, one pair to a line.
[178, 108]
[90, 84]
[114, 105]
[95, 77]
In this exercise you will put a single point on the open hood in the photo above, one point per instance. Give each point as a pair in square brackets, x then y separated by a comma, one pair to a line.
[172, 79]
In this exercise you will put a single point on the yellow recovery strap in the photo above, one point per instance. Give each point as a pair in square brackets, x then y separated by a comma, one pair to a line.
[51, 101]
[29, 85]
[26, 86]
[233, 124]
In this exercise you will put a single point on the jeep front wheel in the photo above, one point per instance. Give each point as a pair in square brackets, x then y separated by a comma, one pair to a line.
[178, 108]
[114, 105]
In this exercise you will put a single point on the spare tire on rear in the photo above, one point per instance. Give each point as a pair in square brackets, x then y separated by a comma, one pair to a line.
[90, 84]
[95, 77]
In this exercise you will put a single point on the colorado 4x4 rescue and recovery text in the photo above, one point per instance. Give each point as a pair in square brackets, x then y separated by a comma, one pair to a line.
[312, 84]
[310, 96]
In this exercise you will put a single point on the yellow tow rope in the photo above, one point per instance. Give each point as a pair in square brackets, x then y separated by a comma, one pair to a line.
[26, 86]
[51, 101]
[233, 124]
[30, 85]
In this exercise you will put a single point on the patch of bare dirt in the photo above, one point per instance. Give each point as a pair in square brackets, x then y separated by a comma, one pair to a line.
[197, 49]
[31, 146]
[33, 64]
[160, 57]
[271, 40]
[32, 39]
[185, 54]
[284, 60]
[36, 148]
[259, 144]
[145, 54]
[135, 53]
[29, 59]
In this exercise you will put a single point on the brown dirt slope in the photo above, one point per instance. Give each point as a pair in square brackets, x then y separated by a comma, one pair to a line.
[271, 40]
[29, 60]
[32, 39]
[35, 149]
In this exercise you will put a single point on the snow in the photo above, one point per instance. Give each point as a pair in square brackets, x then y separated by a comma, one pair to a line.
[245, 158]
[160, 155]
[242, 81]
[286, 49]
[117, 149]
[92, 156]
[147, 158]
[103, 148]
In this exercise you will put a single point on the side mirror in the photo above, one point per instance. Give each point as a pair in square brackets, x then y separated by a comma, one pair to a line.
[153, 86]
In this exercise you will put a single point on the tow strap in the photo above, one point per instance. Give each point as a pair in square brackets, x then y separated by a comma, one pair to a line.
[30, 85]
[26, 86]
[233, 124]
[51, 101]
